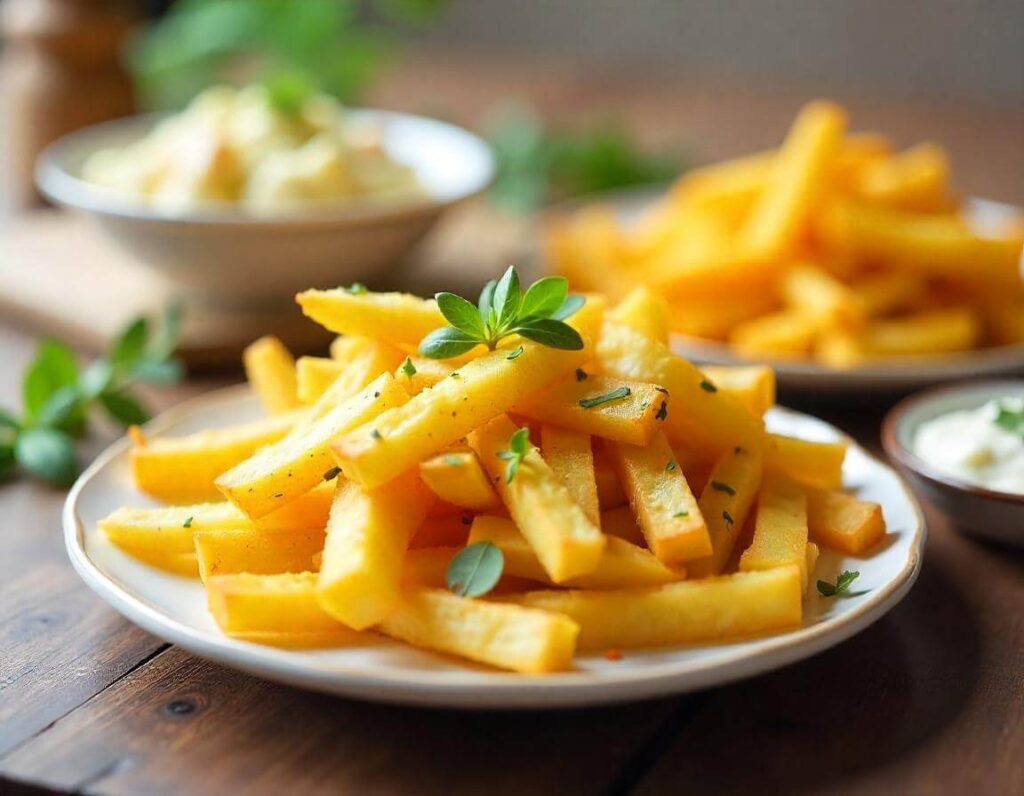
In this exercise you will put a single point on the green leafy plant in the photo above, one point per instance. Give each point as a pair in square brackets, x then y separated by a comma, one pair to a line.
[475, 570]
[57, 397]
[537, 164]
[293, 47]
[503, 309]
[518, 447]
[841, 588]
[604, 398]
[1010, 419]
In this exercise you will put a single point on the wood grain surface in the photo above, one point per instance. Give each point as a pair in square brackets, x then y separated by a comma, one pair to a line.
[926, 701]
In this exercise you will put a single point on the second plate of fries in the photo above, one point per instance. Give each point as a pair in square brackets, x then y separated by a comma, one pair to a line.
[845, 263]
[527, 501]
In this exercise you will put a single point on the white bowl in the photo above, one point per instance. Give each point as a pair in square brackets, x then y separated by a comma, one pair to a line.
[225, 256]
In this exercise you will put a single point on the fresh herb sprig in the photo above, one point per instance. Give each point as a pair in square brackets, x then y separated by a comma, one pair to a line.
[841, 588]
[1010, 418]
[57, 397]
[503, 309]
[518, 447]
[475, 570]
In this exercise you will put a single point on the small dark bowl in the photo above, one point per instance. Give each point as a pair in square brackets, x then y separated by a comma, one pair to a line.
[998, 516]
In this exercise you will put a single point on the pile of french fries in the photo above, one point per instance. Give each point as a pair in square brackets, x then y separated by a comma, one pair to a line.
[662, 515]
[832, 247]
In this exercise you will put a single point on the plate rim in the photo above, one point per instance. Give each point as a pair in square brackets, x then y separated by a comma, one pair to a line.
[507, 690]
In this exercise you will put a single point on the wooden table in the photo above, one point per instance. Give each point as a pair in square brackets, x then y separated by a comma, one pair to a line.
[927, 701]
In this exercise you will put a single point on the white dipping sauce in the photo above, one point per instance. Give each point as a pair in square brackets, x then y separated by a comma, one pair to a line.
[969, 445]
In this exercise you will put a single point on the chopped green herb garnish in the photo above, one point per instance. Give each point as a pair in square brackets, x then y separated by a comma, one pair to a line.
[707, 386]
[1010, 419]
[518, 447]
[475, 570]
[408, 368]
[332, 473]
[187, 523]
[681, 514]
[728, 518]
[661, 390]
[452, 460]
[671, 466]
[455, 374]
[611, 395]
[721, 486]
[841, 588]
[376, 435]
[581, 374]
[356, 289]
[662, 411]
[514, 354]
[503, 309]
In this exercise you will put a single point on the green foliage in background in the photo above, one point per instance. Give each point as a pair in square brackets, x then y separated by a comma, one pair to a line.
[290, 45]
[57, 397]
[538, 164]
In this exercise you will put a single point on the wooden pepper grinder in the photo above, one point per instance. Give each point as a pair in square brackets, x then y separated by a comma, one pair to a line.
[59, 71]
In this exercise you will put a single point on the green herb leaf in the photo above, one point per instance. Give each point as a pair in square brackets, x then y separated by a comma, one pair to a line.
[841, 588]
[165, 340]
[671, 466]
[162, 371]
[452, 460]
[721, 486]
[288, 91]
[447, 342]
[679, 514]
[581, 374]
[187, 523]
[569, 307]
[551, 333]
[475, 570]
[728, 519]
[518, 447]
[53, 367]
[515, 353]
[47, 453]
[507, 297]
[1010, 419]
[544, 297]
[611, 395]
[60, 408]
[662, 412]
[7, 461]
[357, 289]
[124, 407]
[332, 473]
[95, 379]
[486, 301]
[408, 368]
[707, 386]
[130, 344]
[461, 314]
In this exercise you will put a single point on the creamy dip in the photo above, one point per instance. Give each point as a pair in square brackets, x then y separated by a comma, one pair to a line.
[983, 446]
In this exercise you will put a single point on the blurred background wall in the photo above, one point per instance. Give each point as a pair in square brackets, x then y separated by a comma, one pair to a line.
[920, 48]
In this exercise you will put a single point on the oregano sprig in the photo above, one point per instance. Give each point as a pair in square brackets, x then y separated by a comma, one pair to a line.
[503, 309]
[841, 588]
[57, 397]
[518, 447]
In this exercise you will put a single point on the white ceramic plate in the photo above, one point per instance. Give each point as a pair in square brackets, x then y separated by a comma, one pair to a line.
[173, 608]
[806, 376]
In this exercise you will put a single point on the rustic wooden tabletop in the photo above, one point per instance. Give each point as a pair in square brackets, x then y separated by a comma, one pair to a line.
[926, 701]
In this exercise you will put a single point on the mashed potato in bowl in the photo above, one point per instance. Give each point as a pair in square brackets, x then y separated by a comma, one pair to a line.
[235, 146]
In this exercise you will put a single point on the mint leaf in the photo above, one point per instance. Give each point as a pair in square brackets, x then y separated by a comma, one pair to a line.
[167, 336]
[485, 302]
[506, 298]
[551, 333]
[7, 461]
[544, 297]
[62, 409]
[461, 314]
[124, 407]
[569, 307]
[53, 367]
[130, 344]
[47, 453]
[475, 570]
[96, 379]
[447, 342]
[162, 371]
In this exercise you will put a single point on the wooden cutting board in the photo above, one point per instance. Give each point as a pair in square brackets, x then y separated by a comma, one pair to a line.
[61, 276]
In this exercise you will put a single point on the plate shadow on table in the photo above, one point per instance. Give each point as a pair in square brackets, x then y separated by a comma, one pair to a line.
[854, 709]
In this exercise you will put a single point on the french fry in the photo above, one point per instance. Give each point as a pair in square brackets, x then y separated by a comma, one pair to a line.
[725, 503]
[436, 418]
[448, 530]
[813, 552]
[714, 317]
[780, 529]
[889, 291]
[170, 529]
[916, 180]
[567, 543]
[397, 318]
[706, 418]
[623, 565]
[364, 361]
[183, 469]
[571, 457]
[458, 478]
[270, 369]
[932, 332]
[751, 385]
[367, 536]
[620, 522]
[662, 502]
[285, 603]
[315, 374]
[280, 473]
[817, 464]
[645, 311]
[427, 566]
[781, 334]
[610, 493]
[425, 373]
[508, 636]
[260, 552]
[576, 403]
[805, 159]
[842, 522]
[182, 564]
[818, 295]
[716, 609]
